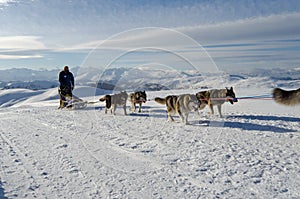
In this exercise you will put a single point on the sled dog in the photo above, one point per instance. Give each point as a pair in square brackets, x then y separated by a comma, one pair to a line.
[289, 98]
[218, 97]
[180, 104]
[113, 100]
[203, 97]
[138, 97]
[63, 100]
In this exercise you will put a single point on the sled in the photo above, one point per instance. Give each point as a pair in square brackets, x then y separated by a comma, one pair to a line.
[76, 103]
[71, 102]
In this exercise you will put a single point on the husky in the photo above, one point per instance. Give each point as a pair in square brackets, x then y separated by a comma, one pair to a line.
[217, 97]
[113, 100]
[203, 97]
[138, 97]
[180, 104]
[65, 96]
[289, 98]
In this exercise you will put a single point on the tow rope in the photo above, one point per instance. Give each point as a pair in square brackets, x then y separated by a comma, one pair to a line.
[257, 97]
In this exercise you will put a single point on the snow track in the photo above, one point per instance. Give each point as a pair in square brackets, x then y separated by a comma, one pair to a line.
[49, 153]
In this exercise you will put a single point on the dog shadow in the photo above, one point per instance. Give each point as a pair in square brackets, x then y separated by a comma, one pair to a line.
[266, 118]
[150, 112]
[2, 192]
[250, 125]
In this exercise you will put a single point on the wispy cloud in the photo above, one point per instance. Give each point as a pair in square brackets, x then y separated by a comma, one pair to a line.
[286, 26]
[21, 42]
[240, 32]
[5, 2]
[20, 56]
[20, 47]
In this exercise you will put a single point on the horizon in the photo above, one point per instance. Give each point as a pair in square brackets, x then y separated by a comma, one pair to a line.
[230, 36]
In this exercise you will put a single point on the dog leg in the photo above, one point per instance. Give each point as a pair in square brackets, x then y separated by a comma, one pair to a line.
[133, 108]
[124, 107]
[186, 118]
[181, 116]
[140, 109]
[113, 109]
[170, 118]
[61, 104]
[211, 109]
[219, 109]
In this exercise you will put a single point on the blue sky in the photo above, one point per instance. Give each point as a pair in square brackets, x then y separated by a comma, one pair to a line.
[233, 35]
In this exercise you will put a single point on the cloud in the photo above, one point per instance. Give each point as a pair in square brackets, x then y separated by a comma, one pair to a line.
[271, 40]
[20, 47]
[241, 32]
[20, 56]
[20, 42]
[5, 2]
[286, 26]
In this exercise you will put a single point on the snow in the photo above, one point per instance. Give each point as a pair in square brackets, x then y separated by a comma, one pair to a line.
[253, 152]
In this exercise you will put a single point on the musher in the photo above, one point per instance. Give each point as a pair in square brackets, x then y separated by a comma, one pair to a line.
[66, 80]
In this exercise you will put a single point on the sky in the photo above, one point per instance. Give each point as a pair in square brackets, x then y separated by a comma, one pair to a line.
[227, 35]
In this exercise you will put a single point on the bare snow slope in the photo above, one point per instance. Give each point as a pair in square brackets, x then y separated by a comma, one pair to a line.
[251, 153]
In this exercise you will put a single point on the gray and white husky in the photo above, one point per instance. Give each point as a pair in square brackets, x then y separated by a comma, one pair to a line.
[289, 98]
[180, 104]
[113, 100]
[217, 97]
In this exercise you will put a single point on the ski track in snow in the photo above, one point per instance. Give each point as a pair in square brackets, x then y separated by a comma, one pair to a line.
[49, 153]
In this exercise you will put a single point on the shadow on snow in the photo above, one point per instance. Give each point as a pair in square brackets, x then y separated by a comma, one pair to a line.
[252, 126]
[267, 118]
[243, 125]
[2, 192]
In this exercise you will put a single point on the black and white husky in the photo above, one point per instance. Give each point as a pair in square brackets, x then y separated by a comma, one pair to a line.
[289, 98]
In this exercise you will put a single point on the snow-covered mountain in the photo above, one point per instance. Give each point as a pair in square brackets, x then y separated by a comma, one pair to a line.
[25, 74]
[149, 79]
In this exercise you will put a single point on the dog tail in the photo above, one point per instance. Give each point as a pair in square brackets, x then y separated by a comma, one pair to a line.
[107, 99]
[102, 99]
[160, 100]
[289, 98]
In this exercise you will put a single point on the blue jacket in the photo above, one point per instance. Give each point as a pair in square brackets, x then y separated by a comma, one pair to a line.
[66, 79]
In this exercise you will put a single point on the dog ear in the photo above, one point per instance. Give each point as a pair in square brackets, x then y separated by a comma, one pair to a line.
[231, 88]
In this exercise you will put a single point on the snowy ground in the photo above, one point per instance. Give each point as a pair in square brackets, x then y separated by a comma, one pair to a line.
[253, 152]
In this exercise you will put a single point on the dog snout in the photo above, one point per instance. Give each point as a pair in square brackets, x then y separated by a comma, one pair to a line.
[143, 99]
